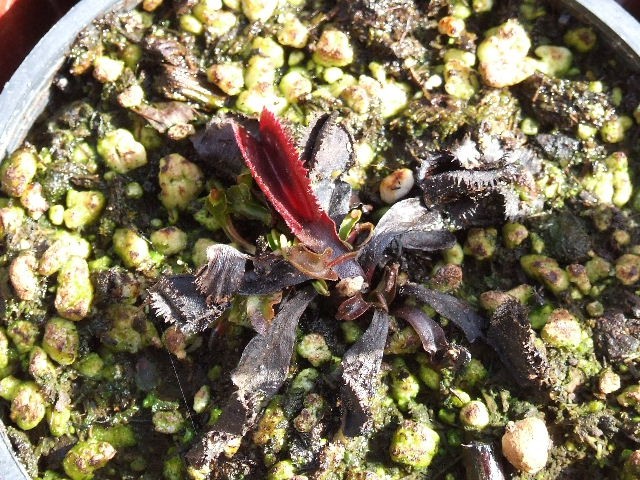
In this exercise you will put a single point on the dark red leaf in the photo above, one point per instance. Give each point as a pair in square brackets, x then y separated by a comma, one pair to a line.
[279, 172]
[352, 308]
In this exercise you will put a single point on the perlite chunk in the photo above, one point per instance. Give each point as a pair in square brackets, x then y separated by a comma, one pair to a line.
[254, 100]
[61, 250]
[28, 406]
[75, 291]
[58, 419]
[293, 33]
[228, 77]
[562, 330]
[267, 47]
[86, 457]
[83, 208]
[61, 340]
[106, 69]
[259, 10]
[168, 422]
[414, 444]
[611, 183]
[23, 277]
[33, 200]
[41, 368]
[294, 85]
[554, 60]
[23, 334]
[180, 182]
[546, 270]
[503, 55]
[121, 152]
[18, 171]
[333, 49]
[169, 240]
[132, 249]
[314, 348]
[129, 329]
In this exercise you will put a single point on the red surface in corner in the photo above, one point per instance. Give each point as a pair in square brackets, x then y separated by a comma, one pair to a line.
[22, 24]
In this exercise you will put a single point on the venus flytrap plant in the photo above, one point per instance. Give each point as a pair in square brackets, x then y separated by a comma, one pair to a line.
[361, 277]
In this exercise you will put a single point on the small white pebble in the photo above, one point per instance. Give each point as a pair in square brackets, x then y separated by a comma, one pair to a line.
[526, 444]
[107, 69]
[396, 185]
[347, 287]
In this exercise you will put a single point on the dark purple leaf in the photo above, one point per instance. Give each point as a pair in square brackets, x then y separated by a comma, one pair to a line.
[449, 186]
[495, 207]
[516, 344]
[270, 274]
[217, 147]
[456, 310]
[329, 150]
[259, 375]
[352, 308]
[360, 372]
[430, 332]
[222, 275]
[163, 115]
[177, 300]
[618, 337]
[412, 225]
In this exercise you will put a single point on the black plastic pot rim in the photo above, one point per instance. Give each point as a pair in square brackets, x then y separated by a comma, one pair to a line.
[26, 94]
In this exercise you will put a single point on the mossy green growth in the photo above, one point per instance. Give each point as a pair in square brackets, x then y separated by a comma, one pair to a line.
[118, 436]
[173, 468]
[414, 444]
[85, 457]
[314, 348]
[272, 429]
[90, 365]
[282, 470]
[404, 385]
[58, 419]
